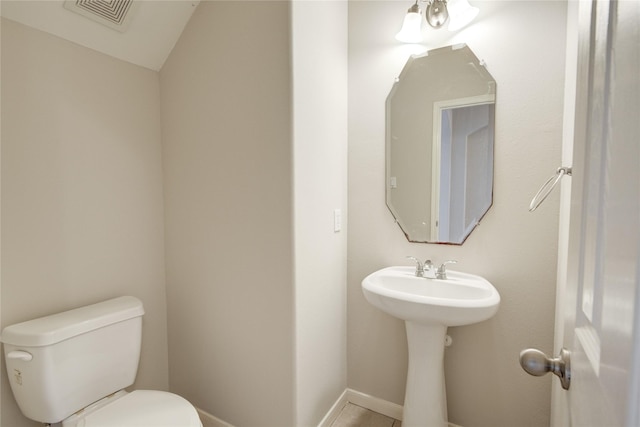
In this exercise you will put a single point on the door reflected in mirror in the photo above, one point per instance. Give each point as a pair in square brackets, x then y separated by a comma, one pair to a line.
[439, 145]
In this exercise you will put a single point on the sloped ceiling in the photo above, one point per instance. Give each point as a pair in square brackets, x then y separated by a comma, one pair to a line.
[154, 28]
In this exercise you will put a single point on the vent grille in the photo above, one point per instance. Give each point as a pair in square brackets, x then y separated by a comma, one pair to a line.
[115, 14]
[114, 11]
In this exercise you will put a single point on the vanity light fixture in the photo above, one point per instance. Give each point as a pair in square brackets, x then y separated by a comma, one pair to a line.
[437, 13]
[458, 13]
[461, 13]
[410, 31]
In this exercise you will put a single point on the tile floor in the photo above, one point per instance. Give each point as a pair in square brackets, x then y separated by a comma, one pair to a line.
[357, 416]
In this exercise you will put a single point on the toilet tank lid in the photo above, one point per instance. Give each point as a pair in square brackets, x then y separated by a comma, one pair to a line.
[61, 326]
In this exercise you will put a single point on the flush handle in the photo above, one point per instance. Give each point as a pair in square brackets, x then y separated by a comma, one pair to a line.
[537, 363]
[19, 354]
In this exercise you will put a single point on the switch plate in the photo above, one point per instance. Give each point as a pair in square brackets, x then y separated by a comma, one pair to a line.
[337, 220]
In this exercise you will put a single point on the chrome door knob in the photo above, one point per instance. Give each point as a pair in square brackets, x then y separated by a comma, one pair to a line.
[536, 363]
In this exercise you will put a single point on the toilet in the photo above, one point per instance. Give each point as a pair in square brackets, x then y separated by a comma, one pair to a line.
[71, 368]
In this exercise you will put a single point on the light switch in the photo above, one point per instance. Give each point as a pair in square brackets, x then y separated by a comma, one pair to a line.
[337, 220]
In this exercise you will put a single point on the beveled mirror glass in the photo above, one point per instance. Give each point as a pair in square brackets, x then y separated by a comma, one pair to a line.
[439, 145]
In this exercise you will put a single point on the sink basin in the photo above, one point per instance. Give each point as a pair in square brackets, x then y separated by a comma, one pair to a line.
[429, 307]
[461, 299]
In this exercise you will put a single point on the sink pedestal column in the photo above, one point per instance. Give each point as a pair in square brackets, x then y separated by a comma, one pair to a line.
[425, 400]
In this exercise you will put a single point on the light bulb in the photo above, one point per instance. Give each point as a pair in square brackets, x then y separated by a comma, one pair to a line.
[461, 13]
[411, 31]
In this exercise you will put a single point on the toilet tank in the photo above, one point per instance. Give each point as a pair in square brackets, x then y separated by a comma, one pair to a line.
[61, 363]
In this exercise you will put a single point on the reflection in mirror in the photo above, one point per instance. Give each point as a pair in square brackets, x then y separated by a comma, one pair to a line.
[439, 145]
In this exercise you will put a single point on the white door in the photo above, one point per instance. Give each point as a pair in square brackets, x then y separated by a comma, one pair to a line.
[462, 181]
[600, 315]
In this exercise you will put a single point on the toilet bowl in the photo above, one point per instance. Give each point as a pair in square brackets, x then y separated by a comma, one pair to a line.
[71, 368]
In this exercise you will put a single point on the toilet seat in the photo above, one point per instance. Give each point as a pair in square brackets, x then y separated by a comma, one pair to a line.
[140, 408]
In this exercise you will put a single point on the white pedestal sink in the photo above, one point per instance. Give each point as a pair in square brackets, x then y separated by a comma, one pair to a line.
[428, 307]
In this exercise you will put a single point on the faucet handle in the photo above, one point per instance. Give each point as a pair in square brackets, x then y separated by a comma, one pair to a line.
[441, 272]
[451, 261]
[420, 266]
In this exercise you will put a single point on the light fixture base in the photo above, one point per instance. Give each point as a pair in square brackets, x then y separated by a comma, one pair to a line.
[437, 13]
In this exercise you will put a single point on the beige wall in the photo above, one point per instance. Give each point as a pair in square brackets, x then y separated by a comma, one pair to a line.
[512, 248]
[244, 329]
[238, 114]
[226, 131]
[0, 194]
[82, 200]
[320, 182]
[82, 209]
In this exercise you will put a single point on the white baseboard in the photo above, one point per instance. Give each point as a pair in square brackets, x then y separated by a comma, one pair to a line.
[361, 399]
[375, 404]
[334, 412]
[209, 420]
[372, 403]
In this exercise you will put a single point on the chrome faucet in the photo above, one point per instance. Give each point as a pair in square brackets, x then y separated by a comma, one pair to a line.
[441, 272]
[421, 267]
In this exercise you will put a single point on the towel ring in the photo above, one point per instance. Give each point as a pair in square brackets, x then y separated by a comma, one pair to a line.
[548, 187]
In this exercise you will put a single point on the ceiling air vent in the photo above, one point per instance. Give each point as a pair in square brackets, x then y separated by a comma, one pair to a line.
[115, 14]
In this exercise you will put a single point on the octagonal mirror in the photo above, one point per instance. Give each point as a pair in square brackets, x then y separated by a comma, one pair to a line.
[440, 118]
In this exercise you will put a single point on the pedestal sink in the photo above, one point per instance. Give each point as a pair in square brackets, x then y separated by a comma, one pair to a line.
[428, 306]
